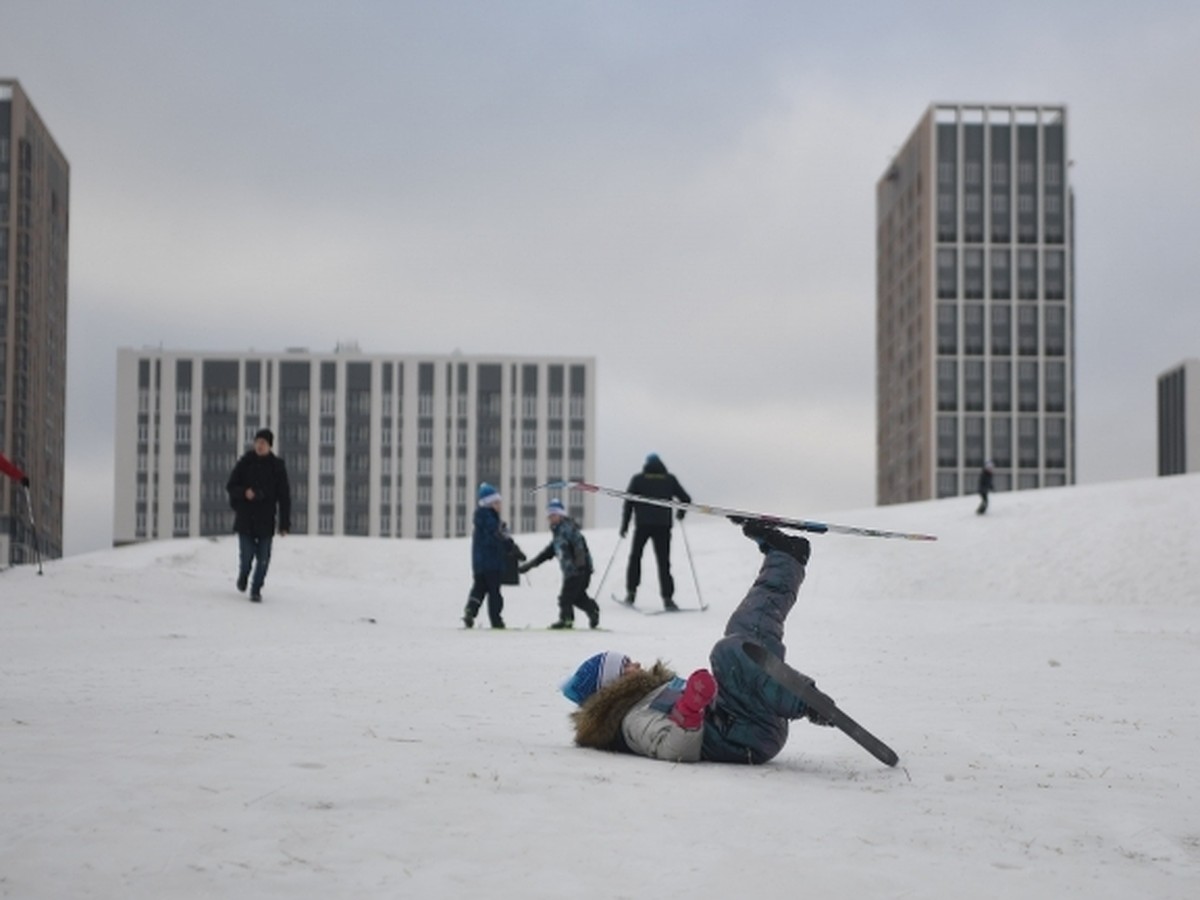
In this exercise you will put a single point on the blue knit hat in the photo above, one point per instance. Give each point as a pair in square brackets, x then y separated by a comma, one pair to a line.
[595, 673]
[556, 508]
[488, 495]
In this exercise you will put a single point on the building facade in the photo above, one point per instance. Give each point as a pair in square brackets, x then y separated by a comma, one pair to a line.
[34, 227]
[1179, 419]
[975, 301]
[376, 445]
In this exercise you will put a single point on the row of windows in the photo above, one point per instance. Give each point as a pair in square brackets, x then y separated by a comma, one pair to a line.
[1038, 442]
[976, 337]
[996, 278]
[971, 394]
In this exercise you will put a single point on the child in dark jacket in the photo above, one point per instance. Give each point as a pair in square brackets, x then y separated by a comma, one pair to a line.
[737, 713]
[568, 544]
[491, 544]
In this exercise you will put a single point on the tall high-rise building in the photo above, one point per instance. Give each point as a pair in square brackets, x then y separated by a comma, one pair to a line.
[1179, 419]
[34, 225]
[376, 445]
[975, 300]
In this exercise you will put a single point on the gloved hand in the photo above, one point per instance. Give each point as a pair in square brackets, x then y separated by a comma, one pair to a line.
[679, 514]
[698, 693]
[524, 567]
[624, 531]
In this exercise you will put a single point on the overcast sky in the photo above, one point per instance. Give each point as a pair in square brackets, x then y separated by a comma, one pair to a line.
[684, 190]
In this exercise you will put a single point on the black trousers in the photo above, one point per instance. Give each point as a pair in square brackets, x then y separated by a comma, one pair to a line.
[487, 584]
[660, 537]
[574, 596]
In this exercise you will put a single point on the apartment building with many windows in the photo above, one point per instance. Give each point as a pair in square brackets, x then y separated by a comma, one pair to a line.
[376, 445]
[975, 303]
[35, 195]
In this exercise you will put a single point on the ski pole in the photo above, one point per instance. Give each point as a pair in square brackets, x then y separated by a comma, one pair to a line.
[688, 547]
[37, 550]
[604, 577]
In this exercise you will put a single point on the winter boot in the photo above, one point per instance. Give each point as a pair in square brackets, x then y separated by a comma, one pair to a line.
[593, 614]
[669, 605]
[629, 598]
[470, 611]
[769, 538]
[256, 597]
[243, 580]
[698, 693]
[562, 624]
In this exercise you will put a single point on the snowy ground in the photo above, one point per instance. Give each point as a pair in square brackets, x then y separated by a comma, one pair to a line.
[1036, 669]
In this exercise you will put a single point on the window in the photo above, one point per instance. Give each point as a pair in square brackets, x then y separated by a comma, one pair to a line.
[973, 329]
[1056, 331]
[183, 401]
[1027, 442]
[1027, 330]
[1001, 281]
[947, 441]
[947, 328]
[973, 274]
[328, 403]
[947, 385]
[973, 384]
[1056, 387]
[947, 274]
[1027, 275]
[1001, 329]
[1056, 442]
[1001, 385]
[973, 454]
[1055, 276]
[947, 484]
[1002, 442]
[1027, 386]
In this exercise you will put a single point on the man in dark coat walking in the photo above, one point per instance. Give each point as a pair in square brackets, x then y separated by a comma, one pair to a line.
[258, 484]
[985, 486]
[652, 524]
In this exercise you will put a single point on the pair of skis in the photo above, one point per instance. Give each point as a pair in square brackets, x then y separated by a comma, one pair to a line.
[736, 514]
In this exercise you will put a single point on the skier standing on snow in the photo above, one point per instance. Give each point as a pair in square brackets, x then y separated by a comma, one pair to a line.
[737, 713]
[257, 485]
[985, 486]
[652, 523]
[569, 545]
[491, 545]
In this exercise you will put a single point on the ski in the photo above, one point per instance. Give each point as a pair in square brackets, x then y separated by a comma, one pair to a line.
[654, 612]
[737, 515]
[806, 689]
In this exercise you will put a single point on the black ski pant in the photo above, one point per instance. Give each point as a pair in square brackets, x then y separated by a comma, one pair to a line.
[660, 537]
[487, 584]
[574, 596]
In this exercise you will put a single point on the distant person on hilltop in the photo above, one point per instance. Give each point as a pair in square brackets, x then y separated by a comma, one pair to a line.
[569, 545]
[257, 486]
[985, 486]
[737, 713]
[652, 524]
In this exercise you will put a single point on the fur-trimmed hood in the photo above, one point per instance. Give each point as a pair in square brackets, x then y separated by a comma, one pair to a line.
[598, 721]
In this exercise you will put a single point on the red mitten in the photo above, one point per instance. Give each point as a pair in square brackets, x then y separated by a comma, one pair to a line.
[698, 693]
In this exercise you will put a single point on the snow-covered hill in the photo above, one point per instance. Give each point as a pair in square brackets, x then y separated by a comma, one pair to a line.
[1035, 668]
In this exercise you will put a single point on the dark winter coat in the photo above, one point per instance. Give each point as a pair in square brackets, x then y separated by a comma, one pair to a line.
[267, 476]
[570, 546]
[653, 481]
[985, 482]
[489, 541]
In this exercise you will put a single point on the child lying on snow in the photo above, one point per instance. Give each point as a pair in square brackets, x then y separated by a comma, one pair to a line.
[736, 713]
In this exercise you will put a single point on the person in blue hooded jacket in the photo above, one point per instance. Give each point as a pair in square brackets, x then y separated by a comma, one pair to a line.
[491, 545]
[736, 713]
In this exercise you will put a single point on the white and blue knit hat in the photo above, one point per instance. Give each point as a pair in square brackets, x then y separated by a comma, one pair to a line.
[595, 672]
[556, 508]
[488, 495]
